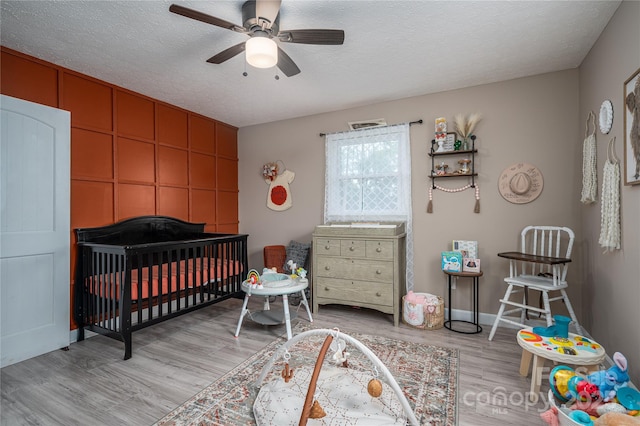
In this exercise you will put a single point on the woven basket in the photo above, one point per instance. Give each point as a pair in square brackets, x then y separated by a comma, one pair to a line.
[425, 317]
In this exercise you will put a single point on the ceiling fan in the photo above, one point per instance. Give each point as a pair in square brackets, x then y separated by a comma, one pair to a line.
[261, 22]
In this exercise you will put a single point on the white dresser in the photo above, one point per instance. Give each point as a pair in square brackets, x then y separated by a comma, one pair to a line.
[359, 265]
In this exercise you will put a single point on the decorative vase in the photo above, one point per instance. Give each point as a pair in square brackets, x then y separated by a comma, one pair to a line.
[465, 144]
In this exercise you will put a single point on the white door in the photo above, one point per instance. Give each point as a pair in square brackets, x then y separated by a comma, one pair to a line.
[34, 229]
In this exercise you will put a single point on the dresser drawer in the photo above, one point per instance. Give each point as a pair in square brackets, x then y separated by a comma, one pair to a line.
[354, 269]
[379, 249]
[360, 292]
[330, 247]
[352, 248]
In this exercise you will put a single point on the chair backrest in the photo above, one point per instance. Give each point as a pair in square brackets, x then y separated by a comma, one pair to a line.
[274, 256]
[552, 241]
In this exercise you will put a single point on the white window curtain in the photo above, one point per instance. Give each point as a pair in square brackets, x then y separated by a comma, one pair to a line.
[368, 178]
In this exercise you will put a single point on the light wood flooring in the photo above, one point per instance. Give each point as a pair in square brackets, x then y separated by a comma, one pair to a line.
[91, 385]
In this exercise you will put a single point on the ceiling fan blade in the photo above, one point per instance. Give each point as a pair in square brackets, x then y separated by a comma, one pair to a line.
[203, 17]
[286, 64]
[312, 36]
[267, 10]
[227, 54]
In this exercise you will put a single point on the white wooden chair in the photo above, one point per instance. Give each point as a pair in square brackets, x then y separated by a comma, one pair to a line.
[545, 277]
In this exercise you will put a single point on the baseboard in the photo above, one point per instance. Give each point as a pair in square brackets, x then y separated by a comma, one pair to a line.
[73, 335]
[488, 319]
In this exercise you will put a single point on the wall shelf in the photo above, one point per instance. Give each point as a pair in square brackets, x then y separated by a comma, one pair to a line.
[469, 153]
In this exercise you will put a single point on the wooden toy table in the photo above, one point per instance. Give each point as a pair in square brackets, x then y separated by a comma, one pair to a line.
[576, 350]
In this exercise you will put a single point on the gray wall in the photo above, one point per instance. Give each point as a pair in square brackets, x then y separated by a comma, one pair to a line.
[612, 280]
[526, 120]
[537, 120]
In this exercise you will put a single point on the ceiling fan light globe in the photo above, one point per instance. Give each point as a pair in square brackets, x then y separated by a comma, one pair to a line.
[262, 52]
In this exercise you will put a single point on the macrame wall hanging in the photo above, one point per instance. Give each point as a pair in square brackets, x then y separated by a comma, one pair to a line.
[279, 194]
[610, 207]
[476, 209]
[589, 172]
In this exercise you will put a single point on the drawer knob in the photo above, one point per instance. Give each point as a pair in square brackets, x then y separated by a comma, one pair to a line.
[378, 271]
[327, 268]
[378, 249]
[352, 248]
[326, 289]
[378, 294]
[327, 247]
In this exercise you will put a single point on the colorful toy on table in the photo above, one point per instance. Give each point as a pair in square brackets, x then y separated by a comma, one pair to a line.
[609, 381]
[292, 267]
[253, 278]
[559, 329]
[302, 273]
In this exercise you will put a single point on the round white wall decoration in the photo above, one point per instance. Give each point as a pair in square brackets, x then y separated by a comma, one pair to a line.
[520, 183]
[606, 117]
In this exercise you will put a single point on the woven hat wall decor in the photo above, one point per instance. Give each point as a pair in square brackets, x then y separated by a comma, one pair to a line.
[520, 183]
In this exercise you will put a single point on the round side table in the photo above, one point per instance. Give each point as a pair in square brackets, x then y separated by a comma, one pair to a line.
[475, 277]
[575, 350]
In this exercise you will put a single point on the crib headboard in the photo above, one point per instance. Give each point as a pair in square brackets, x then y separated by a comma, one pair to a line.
[142, 230]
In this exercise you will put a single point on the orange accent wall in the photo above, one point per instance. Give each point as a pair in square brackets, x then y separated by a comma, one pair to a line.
[132, 155]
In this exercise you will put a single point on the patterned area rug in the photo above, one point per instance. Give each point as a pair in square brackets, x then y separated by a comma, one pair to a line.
[428, 376]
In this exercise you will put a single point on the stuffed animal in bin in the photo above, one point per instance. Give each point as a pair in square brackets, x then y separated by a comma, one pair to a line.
[609, 381]
[616, 419]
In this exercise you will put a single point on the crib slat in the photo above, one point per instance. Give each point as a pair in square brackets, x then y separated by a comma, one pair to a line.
[139, 264]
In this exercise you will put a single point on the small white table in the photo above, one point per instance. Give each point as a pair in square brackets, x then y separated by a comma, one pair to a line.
[274, 288]
[576, 350]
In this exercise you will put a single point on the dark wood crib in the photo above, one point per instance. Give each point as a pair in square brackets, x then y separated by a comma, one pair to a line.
[147, 269]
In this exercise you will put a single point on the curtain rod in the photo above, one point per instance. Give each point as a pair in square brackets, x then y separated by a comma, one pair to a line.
[410, 123]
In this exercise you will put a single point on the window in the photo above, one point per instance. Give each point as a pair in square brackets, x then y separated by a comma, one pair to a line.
[368, 175]
[368, 178]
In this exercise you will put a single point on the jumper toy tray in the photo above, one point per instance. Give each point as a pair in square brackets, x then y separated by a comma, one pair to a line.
[276, 280]
[335, 392]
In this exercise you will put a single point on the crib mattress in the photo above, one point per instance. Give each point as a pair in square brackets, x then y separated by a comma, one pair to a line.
[166, 278]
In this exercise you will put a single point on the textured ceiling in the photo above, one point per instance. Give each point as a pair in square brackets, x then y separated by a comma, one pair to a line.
[392, 49]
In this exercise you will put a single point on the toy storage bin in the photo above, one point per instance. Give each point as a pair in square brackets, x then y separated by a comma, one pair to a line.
[563, 417]
[425, 317]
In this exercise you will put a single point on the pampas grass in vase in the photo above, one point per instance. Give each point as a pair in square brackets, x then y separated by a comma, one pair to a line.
[465, 126]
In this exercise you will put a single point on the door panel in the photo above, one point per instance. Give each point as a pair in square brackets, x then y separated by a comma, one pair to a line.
[34, 229]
